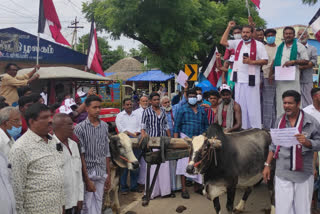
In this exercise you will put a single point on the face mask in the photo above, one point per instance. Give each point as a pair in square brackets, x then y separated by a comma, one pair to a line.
[192, 100]
[237, 36]
[14, 131]
[83, 99]
[199, 97]
[271, 39]
[168, 108]
[249, 40]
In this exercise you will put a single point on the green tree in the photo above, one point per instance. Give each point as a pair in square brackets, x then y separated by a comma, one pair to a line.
[109, 57]
[310, 2]
[173, 32]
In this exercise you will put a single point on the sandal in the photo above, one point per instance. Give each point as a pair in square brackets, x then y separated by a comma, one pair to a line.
[185, 195]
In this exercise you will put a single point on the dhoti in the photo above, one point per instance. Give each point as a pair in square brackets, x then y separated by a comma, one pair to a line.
[306, 98]
[269, 115]
[182, 167]
[293, 198]
[93, 200]
[248, 98]
[142, 171]
[162, 185]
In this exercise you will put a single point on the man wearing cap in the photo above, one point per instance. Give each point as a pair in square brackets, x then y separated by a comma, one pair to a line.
[250, 55]
[269, 115]
[229, 112]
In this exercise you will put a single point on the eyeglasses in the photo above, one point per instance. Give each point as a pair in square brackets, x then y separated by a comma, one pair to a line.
[16, 121]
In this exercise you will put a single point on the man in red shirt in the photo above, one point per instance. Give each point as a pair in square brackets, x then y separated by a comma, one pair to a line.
[24, 103]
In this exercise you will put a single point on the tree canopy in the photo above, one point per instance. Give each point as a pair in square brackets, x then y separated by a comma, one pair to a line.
[173, 32]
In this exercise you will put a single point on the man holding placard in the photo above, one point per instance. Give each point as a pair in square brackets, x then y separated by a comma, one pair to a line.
[290, 55]
[294, 162]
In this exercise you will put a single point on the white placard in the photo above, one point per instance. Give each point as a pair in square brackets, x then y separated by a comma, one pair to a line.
[284, 137]
[182, 78]
[285, 73]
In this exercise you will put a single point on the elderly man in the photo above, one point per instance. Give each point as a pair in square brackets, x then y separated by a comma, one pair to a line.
[269, 88]
[250, 55]
[229, 112]
[289, 53]
[37, 162]
[127, 121]
[73, 184]
[190, 120]
[143, 103]
[155, 124]
[10, 127]
[306, 76]
[95, 156]
[294, 165]
[10, 82]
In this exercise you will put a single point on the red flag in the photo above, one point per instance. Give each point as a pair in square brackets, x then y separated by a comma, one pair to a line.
[49, 23]
[211, 72]
[315, 25]
[256, 2]
[94, 55]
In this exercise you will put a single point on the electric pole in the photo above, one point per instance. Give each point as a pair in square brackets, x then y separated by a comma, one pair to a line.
[74, 25]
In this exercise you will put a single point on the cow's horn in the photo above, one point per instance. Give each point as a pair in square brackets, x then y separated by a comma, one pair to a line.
[217, 143]
[204, 134]
[188, 139]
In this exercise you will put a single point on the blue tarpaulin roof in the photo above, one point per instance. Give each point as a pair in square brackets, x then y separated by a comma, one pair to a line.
[153, 76]
[316, 44]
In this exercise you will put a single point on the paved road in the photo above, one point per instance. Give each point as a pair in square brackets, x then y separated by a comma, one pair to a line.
[257, 203]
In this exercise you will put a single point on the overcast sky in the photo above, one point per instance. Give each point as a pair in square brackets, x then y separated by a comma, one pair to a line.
[23, 14]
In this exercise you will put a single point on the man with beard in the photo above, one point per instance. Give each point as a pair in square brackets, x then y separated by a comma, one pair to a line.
[250, 55]
[294, 164]
[306, 79]
[260, 35]
[190, 120]
[289, 53]
[229, 111]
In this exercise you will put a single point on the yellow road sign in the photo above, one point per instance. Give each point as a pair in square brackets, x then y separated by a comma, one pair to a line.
[192, 71]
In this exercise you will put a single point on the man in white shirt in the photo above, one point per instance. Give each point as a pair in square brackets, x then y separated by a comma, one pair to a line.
[250, 55]
[7, 201]
[73, 183]
[10, 124]
[127, 121]
[314, 108]
[44, 95]
[144, 103]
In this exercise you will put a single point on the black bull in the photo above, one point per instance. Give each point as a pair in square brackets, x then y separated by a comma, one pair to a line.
[226, 160]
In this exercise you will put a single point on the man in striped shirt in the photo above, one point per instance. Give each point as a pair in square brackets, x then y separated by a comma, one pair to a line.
[95, 155]
[155, 124]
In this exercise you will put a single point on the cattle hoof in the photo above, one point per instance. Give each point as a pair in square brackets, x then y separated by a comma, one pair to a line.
[240, 207]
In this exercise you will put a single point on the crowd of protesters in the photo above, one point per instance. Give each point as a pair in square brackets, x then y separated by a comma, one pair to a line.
[58, 156]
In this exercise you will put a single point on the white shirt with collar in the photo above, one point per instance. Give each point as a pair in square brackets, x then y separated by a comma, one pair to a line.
[5, 143]
[73, 183]
[126, 122]
[310, 109]
[139, 113]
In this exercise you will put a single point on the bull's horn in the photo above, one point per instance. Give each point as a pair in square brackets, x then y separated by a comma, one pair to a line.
[204, 134]
[217, 143]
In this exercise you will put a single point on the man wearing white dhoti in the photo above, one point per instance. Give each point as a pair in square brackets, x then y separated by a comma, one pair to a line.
[155, 124]
[294, 165]
[190, 120]
[250, 55]
[289, 53]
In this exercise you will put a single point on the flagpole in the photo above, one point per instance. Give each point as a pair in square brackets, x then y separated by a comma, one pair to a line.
[38, 48]
[247, 5]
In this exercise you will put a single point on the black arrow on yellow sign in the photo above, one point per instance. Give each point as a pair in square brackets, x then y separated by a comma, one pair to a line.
[192, 71]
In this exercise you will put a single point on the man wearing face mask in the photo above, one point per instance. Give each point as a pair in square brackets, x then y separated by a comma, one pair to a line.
[10, 127]
[250, 55]
[306, 81]
[269, 89]
[199, 95]
[190, 120]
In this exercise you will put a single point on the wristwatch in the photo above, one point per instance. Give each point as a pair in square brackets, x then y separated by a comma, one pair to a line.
[267, 164]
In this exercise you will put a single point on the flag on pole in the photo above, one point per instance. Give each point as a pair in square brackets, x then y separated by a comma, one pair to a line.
[49, 23]
[94, 56]
[315, 25]
[256, 2]
[210, 70]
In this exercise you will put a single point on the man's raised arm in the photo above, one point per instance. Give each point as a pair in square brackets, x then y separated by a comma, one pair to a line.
[224, 38]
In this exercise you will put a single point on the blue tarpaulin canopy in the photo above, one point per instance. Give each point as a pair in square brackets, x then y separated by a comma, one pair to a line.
[152, 76]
